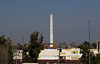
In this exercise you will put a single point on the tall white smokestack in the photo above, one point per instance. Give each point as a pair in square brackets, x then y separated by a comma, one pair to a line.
[51, 29]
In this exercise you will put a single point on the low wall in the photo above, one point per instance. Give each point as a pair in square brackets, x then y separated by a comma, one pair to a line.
[30, 63]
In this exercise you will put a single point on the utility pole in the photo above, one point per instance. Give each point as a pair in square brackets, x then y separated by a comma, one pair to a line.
[89, 32]
[59, 49]
[11, 39]
[22, 46]
[22, 41]
[89, 40]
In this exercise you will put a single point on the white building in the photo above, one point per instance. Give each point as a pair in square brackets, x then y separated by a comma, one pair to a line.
[53, 54]
[17, 55]
[69, 54]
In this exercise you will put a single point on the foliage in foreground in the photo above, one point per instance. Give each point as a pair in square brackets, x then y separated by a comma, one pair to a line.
[6, 56]
[85, 57]
[9, 55]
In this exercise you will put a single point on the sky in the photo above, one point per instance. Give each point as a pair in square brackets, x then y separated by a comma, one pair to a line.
[70, 17]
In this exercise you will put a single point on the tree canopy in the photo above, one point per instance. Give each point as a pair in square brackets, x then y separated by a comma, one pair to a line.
[86, 53]
[86, 43]
[6, 55]
[34, 47]
[9, 55]
[94, 45]
[2, 40]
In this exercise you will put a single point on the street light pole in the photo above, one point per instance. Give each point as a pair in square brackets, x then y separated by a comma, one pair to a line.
[89, 39]
[22, 46]
[16, 56]
[89, 32]
[59, 49]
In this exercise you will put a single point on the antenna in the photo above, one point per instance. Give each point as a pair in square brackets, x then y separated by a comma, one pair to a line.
[22, 42]
[11, 37]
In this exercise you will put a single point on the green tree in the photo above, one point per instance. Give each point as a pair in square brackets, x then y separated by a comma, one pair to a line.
[94, 45]
[62, 45]
[97, 59]
[9, 40]
[85, 55]
[34, 47]
[85, 51]
[65, 45]
[3, 50]
[9, 55]
[73, 45]
[19, 46]
[86, 43]
[2, 40]
[25, 45]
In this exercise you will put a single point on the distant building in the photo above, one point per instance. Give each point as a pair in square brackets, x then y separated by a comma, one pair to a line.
[53, 55]
[67, 55]
[17, 55]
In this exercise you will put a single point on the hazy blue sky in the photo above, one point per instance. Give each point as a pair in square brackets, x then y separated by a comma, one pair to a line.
[22, 17]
